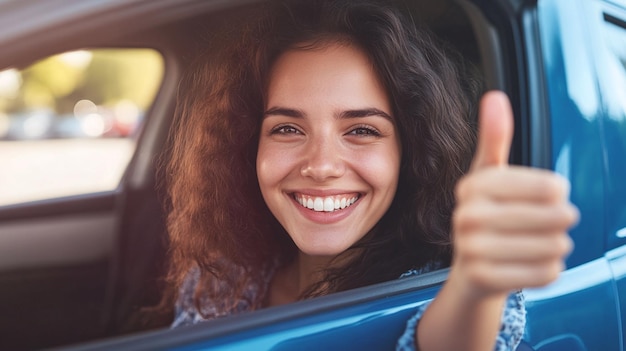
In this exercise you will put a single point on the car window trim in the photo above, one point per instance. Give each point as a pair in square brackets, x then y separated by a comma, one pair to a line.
[167, 338]
[104, 201]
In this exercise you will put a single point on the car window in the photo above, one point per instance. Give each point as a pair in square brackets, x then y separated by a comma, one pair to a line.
[613, 85]
[69, 122]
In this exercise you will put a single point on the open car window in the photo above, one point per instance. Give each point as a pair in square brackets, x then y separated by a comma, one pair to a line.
[69, 122]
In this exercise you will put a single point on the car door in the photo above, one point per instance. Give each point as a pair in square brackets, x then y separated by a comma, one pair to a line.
[611, 68]
[581, 310]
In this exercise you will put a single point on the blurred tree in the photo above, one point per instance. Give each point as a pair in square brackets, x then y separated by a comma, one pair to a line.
[45, 82]
[123, 74]
[104, 76]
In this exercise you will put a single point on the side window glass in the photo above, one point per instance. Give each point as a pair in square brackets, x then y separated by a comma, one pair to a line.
[68, 123]
[613, 83]
[614, 32]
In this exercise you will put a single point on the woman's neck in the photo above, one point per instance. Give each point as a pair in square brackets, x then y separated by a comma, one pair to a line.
[310, 270]
[292, 280]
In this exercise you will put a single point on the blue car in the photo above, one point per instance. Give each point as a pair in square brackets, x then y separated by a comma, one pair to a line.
[78, 265]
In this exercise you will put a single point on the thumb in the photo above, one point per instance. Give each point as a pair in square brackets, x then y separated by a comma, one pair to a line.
[495, 131]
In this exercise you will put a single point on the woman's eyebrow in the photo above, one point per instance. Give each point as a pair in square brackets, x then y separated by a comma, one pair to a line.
[357, 113]
[284, 111]
[366, 112]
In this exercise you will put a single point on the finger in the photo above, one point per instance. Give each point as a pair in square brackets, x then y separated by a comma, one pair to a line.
[514, 217]
[508, 277]
[520, 248]
[495, 131]
[514, 184]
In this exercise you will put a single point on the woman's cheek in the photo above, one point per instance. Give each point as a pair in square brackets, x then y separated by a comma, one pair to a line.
[381, 168]
[274, 162]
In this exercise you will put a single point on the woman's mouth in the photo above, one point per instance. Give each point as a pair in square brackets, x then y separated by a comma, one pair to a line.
[326, 203]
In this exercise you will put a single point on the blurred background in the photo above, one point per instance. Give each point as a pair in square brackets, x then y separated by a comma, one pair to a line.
[69, 123]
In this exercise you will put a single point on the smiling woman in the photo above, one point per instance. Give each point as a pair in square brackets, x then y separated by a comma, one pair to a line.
[336, 111]
[326, 144]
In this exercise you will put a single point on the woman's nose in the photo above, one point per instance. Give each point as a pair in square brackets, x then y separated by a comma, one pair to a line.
[323, 160]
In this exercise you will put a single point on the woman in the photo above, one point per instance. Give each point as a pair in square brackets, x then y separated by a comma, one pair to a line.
[329, 139]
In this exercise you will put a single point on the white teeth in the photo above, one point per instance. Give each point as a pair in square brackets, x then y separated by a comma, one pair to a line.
[325, 204]
[329, 205]
[318, 204]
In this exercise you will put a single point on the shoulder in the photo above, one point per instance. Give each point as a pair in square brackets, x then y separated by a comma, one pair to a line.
[185, 311]
[215, 298]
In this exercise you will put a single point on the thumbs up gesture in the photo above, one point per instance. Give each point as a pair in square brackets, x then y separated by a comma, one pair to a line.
[510, 224]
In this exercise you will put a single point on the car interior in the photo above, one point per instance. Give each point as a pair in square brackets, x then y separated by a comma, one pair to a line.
[90, 267]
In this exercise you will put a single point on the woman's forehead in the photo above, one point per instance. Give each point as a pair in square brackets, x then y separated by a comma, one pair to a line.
[334, 75]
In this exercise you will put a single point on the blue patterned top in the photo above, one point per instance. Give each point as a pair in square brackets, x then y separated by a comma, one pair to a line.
[510, 335]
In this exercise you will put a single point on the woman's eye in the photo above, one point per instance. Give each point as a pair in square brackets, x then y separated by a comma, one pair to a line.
[285, 130]
[364, 131]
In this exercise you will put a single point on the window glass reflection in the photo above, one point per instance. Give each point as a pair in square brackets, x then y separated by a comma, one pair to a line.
[615, 39]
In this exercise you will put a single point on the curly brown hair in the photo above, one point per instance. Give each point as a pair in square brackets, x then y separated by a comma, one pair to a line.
[217, 219]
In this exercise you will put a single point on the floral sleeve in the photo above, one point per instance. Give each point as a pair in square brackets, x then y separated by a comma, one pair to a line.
[185, 312]
[511, 330]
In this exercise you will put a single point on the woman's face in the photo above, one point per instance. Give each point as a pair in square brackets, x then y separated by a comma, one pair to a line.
[329, 152]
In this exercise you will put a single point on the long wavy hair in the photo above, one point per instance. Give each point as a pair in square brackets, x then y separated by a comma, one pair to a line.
[217, 219]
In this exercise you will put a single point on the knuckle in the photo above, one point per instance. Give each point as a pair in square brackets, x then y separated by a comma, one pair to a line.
[573, 214]
[554, 271]
[467, 218]
[473, 184]
[549, 272]
[563, 245]
[560, 216]
[462, 188]
[553, 186]
[545, 186]
[469, 249]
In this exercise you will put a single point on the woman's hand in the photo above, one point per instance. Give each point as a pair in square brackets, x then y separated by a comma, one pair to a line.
[510, 224]
[510, 232]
